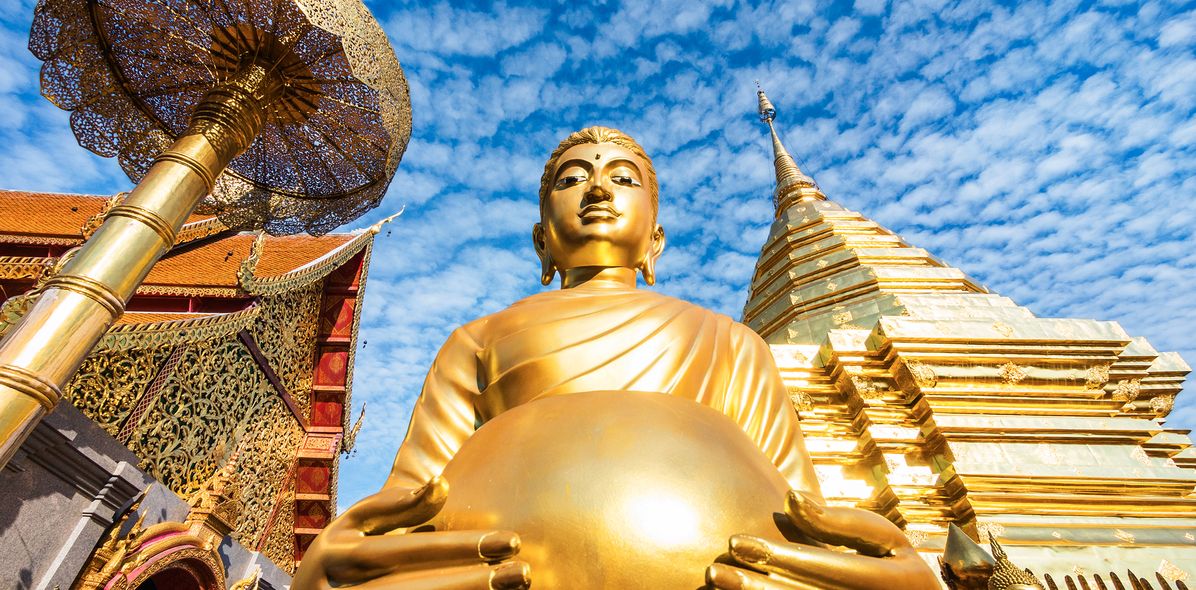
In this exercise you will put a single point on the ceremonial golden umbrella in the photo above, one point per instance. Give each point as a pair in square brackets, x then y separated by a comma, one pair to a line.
[287, 115]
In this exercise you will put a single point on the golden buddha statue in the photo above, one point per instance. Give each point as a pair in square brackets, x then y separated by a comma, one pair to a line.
[600, 436]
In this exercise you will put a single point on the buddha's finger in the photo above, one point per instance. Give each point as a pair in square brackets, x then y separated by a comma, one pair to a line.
[726, 577]
[369, 557]
[823, 568]
[512, 575]
[394, 508]
[866, 532]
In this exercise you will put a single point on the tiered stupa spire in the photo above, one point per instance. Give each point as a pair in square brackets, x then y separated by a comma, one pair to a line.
[792, 184]
[932, 401]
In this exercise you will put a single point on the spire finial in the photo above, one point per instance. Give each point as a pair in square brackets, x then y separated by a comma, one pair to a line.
[791, 181]
[767, 111]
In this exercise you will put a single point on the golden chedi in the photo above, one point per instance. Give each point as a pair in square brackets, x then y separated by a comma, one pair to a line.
[601, 436]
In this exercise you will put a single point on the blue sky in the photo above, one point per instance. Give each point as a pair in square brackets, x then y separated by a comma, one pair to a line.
[1046, 148]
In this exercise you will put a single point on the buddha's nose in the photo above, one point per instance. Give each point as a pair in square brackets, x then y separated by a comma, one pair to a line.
[597, 193]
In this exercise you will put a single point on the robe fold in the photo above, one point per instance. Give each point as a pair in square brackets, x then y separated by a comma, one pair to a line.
[600, 338]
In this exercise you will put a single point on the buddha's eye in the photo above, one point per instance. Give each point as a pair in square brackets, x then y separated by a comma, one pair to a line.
[625, 180]
[568, 181]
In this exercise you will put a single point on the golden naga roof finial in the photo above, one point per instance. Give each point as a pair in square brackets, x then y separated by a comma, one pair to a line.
[790, 179]
[377, 227]
[1006, 575]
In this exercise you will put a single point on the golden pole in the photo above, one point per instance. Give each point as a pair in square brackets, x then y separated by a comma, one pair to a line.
[41, 353]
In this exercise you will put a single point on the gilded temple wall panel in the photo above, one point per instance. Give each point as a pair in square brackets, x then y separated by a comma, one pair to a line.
[286, 332]
[107, 387]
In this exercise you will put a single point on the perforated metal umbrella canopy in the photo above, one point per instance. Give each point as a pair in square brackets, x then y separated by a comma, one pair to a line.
[133, 71]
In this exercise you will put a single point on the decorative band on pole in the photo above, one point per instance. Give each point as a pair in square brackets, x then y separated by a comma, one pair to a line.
[90, 288]
[30, 384]
[149, 218]
[209, 179]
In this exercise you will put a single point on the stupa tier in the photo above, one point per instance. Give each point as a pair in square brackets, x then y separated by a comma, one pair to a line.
[931, 400]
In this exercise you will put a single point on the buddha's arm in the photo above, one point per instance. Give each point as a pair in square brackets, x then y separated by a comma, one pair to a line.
[444, 416]
[759, 401]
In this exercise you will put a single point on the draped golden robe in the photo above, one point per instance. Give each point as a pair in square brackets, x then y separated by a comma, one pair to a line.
[600, 337]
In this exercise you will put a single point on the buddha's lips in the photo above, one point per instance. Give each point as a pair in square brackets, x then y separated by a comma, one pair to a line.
[588, 211]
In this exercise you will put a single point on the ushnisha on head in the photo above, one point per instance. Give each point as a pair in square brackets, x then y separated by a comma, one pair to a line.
[598, 206]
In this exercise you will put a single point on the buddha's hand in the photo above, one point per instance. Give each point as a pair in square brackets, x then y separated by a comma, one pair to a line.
[884, 557]
[356, 552]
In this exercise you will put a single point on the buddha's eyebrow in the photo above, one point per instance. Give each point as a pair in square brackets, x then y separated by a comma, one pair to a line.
[625, 162]
[575, 162]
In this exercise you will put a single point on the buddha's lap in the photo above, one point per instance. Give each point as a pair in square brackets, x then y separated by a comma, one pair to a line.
[614, 489]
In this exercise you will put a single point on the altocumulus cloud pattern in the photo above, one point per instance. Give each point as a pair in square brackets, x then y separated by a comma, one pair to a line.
[1048, 149]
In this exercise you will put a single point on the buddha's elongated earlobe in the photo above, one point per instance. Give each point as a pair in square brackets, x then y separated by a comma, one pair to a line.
[648, 264]
[547, 265]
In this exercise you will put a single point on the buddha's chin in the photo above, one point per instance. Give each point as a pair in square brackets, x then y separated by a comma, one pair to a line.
[614, 489]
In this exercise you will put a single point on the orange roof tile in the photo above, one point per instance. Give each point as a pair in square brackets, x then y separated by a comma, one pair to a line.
[50, 215]
[215, 263]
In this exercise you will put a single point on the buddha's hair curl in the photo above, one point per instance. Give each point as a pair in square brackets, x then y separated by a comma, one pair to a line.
[598, 134]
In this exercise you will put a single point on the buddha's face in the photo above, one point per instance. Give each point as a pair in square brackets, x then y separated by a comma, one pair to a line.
[599, 212]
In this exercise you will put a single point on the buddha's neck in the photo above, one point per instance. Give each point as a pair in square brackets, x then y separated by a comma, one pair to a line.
[598, 276]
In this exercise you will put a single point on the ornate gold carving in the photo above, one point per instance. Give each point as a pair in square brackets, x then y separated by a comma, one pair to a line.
[173, 290]
[866, 387]
[1127, 390]
[349, 440]
[109, 558]
[40, 240]
[16, 268]
[125, 561]
[293, 318]
[107, 386]
[989, 530]
[1003, 329]
[801, 400]
[304, 275]
[175, 332]
[1006, 575]
[1125, 536]
[1171, 572]
[1012, 374]
[14, 308]
[1097, 376]
[249, 582]
[916, 538]
[1162, 404]
[217, 503]
[923, 374]
[95, 221]
[200, 229]
[248, 267]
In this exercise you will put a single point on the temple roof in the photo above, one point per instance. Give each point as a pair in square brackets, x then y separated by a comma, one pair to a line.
[214, 263]
[205, 262]
[200, 260]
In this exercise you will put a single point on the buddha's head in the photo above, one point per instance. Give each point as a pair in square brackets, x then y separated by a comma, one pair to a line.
[598, 205]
